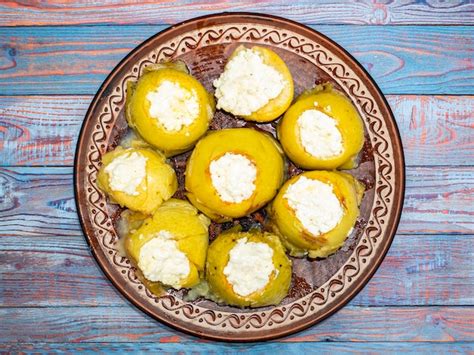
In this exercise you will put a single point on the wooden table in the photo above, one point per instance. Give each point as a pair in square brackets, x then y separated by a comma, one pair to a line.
[53, 57]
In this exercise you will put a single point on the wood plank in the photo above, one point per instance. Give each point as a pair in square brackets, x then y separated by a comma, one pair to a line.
[40, 201]
[40, 130]
[435, 130]
[37, 202]
[438, 200]
[63, 60]
[60, 271]
[43, 130]
[123, 324]
[173, 345]
[52, 271]
[75, 60]
[15, 13]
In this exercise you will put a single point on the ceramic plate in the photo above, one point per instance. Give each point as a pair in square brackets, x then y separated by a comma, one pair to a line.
[319, 287]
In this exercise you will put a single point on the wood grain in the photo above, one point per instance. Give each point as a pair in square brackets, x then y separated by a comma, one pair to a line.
[172, 345]
[40, 130]
[40, 202]
[60, 271]
[37, 202]
[435, 130]
[438, 200]
[15, 13]
[51, 289]
[124, 324]
[43, 130]
[76, 60]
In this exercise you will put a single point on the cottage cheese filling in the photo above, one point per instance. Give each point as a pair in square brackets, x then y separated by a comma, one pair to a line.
[247, 84]
[233, 176]
[173, 106]
[315, 204]
[249, 267]
[161, 260]
[126, 172]
[319, 134]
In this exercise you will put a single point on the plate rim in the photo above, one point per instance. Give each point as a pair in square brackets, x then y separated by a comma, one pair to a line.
[345, 297]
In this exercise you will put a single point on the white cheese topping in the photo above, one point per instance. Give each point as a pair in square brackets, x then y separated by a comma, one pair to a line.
[315, 204]
[233, 176]
[126, 172]
[173, 106]
[249, 267]
[161, 260]
[247, 84]
[319, 134]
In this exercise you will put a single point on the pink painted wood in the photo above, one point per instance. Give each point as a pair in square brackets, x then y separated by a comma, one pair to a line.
[53, 297]
[41, 130]
[34, 13]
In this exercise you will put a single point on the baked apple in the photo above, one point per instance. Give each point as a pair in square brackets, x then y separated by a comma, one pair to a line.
[315, 212]
[256, 85]
[170, 247]
[169, 108]
[137, 178]
[234, 172]
[322, 130]
[248, 269]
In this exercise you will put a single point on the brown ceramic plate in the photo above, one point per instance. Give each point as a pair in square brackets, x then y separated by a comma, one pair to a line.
[319, 287]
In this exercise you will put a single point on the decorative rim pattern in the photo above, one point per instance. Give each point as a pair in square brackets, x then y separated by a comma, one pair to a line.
[388, 159]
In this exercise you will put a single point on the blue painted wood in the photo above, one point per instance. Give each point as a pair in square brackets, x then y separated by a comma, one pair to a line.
[39, 201]
[76, 60]
[171, 346]
[52, 271]
[43, 130]
[123, 324]
[307, 11]
[44, 261]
